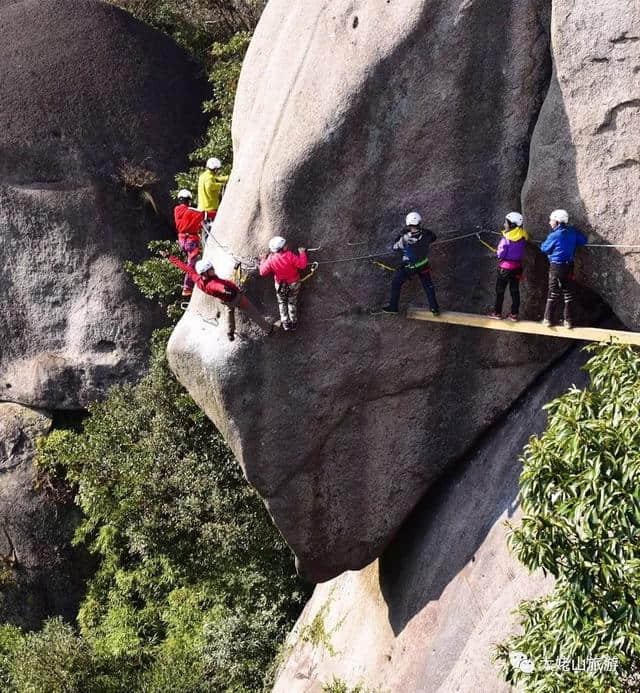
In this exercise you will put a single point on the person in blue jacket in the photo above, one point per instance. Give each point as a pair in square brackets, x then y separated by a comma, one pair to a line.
[560, 247]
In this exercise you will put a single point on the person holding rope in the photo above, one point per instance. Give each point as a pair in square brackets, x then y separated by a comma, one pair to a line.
[211, 186]
[560, 247]
[285, 267]
[188, 223]
[229, 293]
[510, 251]
[413, 242]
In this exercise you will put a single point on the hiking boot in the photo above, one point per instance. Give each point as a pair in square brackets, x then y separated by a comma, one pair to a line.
[494, 315]
[390, 311]
[513, 317]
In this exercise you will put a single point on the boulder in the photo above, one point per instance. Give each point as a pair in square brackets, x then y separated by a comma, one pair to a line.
[94, 104]
[585, 150]
[41, 575]
[427, 615]
[349, 115]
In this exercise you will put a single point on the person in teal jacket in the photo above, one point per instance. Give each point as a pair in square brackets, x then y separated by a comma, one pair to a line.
[560, 247]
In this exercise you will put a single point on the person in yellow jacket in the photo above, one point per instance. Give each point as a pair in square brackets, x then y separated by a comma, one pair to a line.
[210, 187]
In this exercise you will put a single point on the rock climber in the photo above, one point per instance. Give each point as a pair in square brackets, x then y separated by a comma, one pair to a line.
[188, 225]
[285, 266]
[210, 187]
[413, 242]
[510, 251]
[560, 247]
[229, 293]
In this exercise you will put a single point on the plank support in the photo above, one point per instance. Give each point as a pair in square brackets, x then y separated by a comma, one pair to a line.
[589, 334]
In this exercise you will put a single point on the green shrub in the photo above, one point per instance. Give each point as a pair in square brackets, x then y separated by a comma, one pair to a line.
[196, 24]
[226, 61]
[580, 494]
[194, 577]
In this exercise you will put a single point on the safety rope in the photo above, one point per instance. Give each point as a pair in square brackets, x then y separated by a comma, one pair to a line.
[246, 265]
[587, 245]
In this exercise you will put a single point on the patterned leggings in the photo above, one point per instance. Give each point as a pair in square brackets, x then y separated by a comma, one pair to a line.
[191, 248]
[287, 295]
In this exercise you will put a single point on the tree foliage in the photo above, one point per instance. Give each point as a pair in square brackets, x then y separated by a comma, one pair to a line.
[226, 62]
[580, 493]
[196, 588]
[197, 24]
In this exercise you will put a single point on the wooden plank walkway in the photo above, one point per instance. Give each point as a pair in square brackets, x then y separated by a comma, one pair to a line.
[590, 334]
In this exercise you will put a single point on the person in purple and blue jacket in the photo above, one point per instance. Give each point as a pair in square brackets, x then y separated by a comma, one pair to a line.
[560, 247]
[510, 251]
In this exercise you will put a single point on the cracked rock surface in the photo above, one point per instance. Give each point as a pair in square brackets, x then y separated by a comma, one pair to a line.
[585, 151]
[86, 90]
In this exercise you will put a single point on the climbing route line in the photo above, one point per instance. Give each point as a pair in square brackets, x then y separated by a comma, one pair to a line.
[250, 264]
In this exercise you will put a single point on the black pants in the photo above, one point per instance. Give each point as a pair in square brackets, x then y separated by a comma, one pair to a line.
[405, 273]
[561, 286]
[510, 278]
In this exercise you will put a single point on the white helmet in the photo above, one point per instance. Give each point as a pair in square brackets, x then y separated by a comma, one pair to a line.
[413, 219]
[559, 215]
[515, 218]
[214, 163]
[203, 266]
[277, 243]
[184, 194]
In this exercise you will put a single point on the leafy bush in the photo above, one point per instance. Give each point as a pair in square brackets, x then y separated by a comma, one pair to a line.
[196, 24]
[580, 492]
[196, 586]
[159, 280]
[226, 62]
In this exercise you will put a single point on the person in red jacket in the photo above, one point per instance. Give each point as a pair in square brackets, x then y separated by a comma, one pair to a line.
[229, 293]
[285, 267]
[188, 225]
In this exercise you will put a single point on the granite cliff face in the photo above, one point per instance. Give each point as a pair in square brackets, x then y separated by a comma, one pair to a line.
[348, 116]
[425, 617]
[87, 91]
[41, 574]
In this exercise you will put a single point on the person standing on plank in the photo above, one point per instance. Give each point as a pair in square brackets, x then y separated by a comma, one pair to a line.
[560, 247]
[229, 293]
[413, 242]
[210, 187]
[510, 251]
[285, 267]
[188, 224]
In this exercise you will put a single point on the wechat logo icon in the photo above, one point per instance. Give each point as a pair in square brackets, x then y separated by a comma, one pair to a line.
[520, 661]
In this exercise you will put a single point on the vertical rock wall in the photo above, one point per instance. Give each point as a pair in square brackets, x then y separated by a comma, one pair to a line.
[348, 115]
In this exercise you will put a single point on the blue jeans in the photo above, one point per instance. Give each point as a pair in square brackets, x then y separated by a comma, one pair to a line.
[404, 274]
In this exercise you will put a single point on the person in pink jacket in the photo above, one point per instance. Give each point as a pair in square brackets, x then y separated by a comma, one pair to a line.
[285, 267]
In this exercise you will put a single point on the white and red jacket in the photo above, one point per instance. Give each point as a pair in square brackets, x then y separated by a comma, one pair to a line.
[189, 220]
